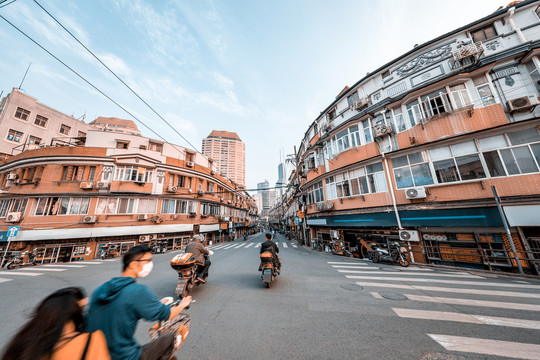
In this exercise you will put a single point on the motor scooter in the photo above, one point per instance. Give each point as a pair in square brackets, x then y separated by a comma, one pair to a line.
[179, 326]
[17, 261]
[395, 254]
[187, 270]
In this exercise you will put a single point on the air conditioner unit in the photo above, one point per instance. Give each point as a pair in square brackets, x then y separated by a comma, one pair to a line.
[189, 163]
[89, 219]
[144, 238]
[361, 103]
[190, 190]
[221, 199]
[13, 217]
[523, 103]
[12, 176]
[192, 214]
[87, 185]
[103, 185]
[380, 130]
[415, 193]
[172, 189]
[142, 217]
[156, 219]
[200, 192]
[409, 235]
[153, 236]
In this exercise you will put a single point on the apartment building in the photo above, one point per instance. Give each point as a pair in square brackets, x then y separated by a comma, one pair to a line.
[228, 152]
[411, 151]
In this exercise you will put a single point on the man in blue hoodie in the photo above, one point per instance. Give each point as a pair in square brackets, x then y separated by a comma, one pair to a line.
[117, 306]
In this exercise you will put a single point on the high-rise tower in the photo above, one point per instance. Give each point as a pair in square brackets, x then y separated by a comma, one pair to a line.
[228, 153]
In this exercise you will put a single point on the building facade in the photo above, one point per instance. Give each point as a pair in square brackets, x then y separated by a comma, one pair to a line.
[100, 194]
[228, 152]
[116, 125]
[413, 151]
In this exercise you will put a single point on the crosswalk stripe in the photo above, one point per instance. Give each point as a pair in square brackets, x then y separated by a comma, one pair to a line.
[355, 266]
[8, 273]
[258, 245]
[466, 318]
[92, 262]
[229, 247]
[294, 246]
[250, 245]
[488, 347]
[5, 280]
[451, 290]
[285, 245]
[42, 269]
[466, 276]
[346, 263]
[217, 247]
[458, 282]
[65, 265]
[238, 246]
[469, 302]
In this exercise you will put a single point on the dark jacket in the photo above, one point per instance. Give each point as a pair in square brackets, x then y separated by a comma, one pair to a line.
[198, 250]
[269, 245]
[115, 308]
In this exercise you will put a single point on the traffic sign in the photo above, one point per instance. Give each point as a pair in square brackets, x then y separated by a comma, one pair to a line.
[297, 220]
[13, 230]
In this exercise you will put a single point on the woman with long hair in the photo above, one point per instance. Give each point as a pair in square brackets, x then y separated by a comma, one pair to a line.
[56, 331]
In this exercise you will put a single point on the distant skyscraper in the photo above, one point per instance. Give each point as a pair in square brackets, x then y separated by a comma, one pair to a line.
[262, 188]
[228, 153]
[280, 181]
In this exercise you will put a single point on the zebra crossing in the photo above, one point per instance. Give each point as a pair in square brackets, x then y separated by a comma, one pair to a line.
[246, 245]
[31, 272]
[462, 297]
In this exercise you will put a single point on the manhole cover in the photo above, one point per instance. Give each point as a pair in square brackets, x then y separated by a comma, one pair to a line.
[390, 295]
[392, 269]
[352, 287]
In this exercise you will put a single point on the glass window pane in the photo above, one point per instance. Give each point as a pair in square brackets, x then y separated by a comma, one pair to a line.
[403, 178]
[536, 151]
[440, 153]
[374, 167]
[75, 206]
[85, 204]
[525, 160]
[40, 208]
[446, 171]
[494, 164]
[470, 167]
[509, 162]
[64, 203]
[355, 189]
[422, 175]
[493, 143]
[364, 188]
[416, 158]
[524, 137]
[380, 182]
[400, 161]
[465, 148]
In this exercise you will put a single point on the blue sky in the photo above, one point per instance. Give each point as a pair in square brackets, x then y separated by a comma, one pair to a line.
[263, 69]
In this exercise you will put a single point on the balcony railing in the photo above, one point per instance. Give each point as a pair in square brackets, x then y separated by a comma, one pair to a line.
[468, 50]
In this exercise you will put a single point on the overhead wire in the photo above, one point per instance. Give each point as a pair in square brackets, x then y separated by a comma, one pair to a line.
[3, 1]
[115, 75]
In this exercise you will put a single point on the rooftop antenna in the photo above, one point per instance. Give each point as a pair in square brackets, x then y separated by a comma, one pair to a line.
[24, 77]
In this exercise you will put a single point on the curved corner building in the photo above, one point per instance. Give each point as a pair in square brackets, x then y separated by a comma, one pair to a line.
[412, 150]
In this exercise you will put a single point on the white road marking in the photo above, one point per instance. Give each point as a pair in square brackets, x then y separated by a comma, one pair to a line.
[285, 245]
[217, 247]
[229, 247]
[467, 276]
[355, 266]
[7, 273]
[41, 269]
[92, 262]
[5, 280]
[466, 318]
[458, 282]
[109, 259]
[294, 246]
[238, 246]
[250, 245]
[468, 302]
[258, 245]
[488, 347]
[345, 263]
[64, 265]
[376, 295]
[451, 290]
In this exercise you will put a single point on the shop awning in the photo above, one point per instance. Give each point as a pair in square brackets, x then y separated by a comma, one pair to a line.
[209, 228]
[95, 232]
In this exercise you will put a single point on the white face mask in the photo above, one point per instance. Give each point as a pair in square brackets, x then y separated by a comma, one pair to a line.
[147, 268]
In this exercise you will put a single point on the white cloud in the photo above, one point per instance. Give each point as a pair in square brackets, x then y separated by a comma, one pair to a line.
[115, 63]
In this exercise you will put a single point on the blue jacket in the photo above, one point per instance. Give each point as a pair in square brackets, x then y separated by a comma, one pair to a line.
[115, 308]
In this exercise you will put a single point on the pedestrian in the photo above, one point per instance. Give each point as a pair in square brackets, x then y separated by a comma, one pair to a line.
[117, 306]
[56, 331]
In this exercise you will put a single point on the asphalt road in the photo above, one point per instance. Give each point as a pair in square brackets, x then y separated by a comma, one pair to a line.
[321, 307]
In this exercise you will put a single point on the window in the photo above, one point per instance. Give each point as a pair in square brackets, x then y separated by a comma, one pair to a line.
[171, 206]
[399, 120]
[64, 129]
[365, 180]
[342, 185]
[415, 115]
[376, 180]
[133, 173]
[22, 114]
[315, 194]
[412, 170]
[62, 206]
[14, 135]
[81, 134]
[34, 140]
[435, 103]
[484, 90]
[358, 180]
[147, 206]
[330, 188]
[368, 137]
[533, 73]
[331, 114]
[352, 99]
[12, 205]
[92, 173]
[460, 96]
[122, 144]
[72, 173]
[385, 74]
[41, 121]
[457, 163]
[156, 147]
[485, 33]
[209, 186]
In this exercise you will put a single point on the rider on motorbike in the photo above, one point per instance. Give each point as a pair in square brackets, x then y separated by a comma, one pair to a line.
[270, 246]
[198, 251]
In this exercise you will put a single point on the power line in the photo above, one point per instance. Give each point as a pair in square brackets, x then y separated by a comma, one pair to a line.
[2, 2]
[116, 76]
[89, 83]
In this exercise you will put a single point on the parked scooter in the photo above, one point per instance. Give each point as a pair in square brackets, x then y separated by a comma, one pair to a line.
[179, 326]
[395, 254]
[17, 261]
[185, 266]
[338, 248]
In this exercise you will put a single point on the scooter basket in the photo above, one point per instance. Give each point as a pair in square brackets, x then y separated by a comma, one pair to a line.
[182, 261]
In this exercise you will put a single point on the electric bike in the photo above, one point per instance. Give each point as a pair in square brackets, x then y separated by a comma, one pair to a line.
[395, 254]
[187, 270]
[179, 326]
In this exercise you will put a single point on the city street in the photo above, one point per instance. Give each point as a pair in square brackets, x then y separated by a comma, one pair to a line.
[321, 307]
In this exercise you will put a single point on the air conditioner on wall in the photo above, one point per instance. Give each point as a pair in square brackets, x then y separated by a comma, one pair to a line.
[144, 238]
[12, 176]
[142, 217]
[13, 217]
[361, 103]
[409, 235]
[89, 219]
[189, 163]
[523, 103]
[103, 185]
[382, 129]
[415, 193]
[87, 185]
[172, 189]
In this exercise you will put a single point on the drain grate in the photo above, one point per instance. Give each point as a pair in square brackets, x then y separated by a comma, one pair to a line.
[352, 287]
[390, 295]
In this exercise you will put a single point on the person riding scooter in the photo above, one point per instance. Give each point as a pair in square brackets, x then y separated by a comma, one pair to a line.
[270, 246]
[198, 251]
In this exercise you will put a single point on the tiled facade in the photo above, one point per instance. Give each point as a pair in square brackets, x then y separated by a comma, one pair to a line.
[228, 152]
[413, 149]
